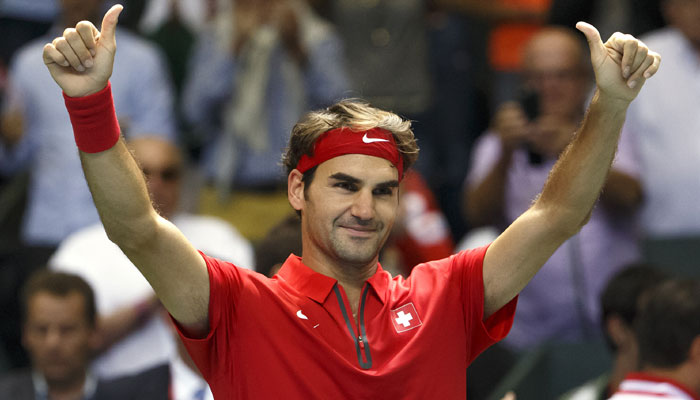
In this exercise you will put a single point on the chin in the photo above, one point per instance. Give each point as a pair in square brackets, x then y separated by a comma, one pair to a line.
[358, 250]
[58, 376]
[358, 257]
[357, 254]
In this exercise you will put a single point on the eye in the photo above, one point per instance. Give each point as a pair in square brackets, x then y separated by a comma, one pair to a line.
[38, 330]
[68, 329]
[384, 191]
[351, 187]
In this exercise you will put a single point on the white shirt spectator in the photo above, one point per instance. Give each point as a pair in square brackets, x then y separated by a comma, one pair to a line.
[118, 284]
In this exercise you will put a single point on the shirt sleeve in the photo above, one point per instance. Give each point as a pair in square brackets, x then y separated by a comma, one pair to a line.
[480, 333]
[225, 285]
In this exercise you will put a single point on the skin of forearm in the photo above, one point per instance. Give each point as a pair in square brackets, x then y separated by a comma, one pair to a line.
[563, 207]
[484, 204]
[152, 243]
[120, 195]
[578, 177]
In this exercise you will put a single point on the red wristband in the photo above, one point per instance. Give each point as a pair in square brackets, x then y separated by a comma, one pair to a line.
[94, 120]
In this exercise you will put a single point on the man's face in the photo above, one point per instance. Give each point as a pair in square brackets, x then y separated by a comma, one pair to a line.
[685, 15]
[58, 337]
[554, 70]
[350, 207]
[162, 166]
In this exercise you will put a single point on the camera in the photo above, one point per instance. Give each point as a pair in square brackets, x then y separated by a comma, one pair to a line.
[530, 102]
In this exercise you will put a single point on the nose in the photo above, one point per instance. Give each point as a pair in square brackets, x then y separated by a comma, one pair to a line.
[53, 337]
[153, 179]
[363, 205]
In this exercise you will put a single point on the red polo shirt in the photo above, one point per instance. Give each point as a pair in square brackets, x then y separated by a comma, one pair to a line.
[294, 337]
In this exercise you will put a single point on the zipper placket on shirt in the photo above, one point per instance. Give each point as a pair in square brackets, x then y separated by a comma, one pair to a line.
[361, 343]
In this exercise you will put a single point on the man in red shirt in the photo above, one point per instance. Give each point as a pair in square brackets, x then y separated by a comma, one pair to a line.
[333, 324]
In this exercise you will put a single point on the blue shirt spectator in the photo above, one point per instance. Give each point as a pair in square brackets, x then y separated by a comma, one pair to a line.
[246, 102]
[59, 202]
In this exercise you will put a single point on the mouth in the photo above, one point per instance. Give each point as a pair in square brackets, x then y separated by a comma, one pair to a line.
[359, 231]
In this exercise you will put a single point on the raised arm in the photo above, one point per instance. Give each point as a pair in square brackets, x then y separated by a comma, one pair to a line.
[81, 63]
[621, 67]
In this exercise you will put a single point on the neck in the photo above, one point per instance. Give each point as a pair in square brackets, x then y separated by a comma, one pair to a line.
[625, 362]
[684, 374]
[351, 277]
[347, 274]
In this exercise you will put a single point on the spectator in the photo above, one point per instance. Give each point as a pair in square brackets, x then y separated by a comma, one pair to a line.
[59, 333]
[256, 69]
[668, 331]
[664, 122]
[173, 25]
[59, 201]
[511, 163]
[134, 337]
[193, 14]
[619, 310]
[35, 128]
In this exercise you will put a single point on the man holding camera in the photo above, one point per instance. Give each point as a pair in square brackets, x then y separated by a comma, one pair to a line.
[511, 163]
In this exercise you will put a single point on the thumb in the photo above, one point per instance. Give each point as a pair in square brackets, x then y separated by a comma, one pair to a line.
[109, 24]
[595, 44]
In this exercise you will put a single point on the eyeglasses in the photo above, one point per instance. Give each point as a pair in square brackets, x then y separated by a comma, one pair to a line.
[168, 174]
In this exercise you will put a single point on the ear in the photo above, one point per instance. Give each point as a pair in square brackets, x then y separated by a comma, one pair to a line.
[295, 190]
[618, 331]
[694, 353]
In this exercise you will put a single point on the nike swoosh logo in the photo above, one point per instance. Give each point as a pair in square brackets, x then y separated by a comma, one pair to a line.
[301, 315]
[366, 139]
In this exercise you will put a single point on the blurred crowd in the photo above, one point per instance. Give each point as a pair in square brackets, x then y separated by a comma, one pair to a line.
[495, 91]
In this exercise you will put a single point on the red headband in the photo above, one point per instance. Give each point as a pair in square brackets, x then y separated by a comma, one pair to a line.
[375, 142]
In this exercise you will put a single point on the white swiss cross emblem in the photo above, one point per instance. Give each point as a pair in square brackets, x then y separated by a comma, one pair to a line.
[405, 318]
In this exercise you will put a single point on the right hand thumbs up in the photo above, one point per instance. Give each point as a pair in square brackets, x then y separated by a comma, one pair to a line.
[81, 60]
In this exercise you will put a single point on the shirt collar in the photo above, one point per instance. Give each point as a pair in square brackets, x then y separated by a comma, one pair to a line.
[41, 388]
[318, 286]
[654, 379]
